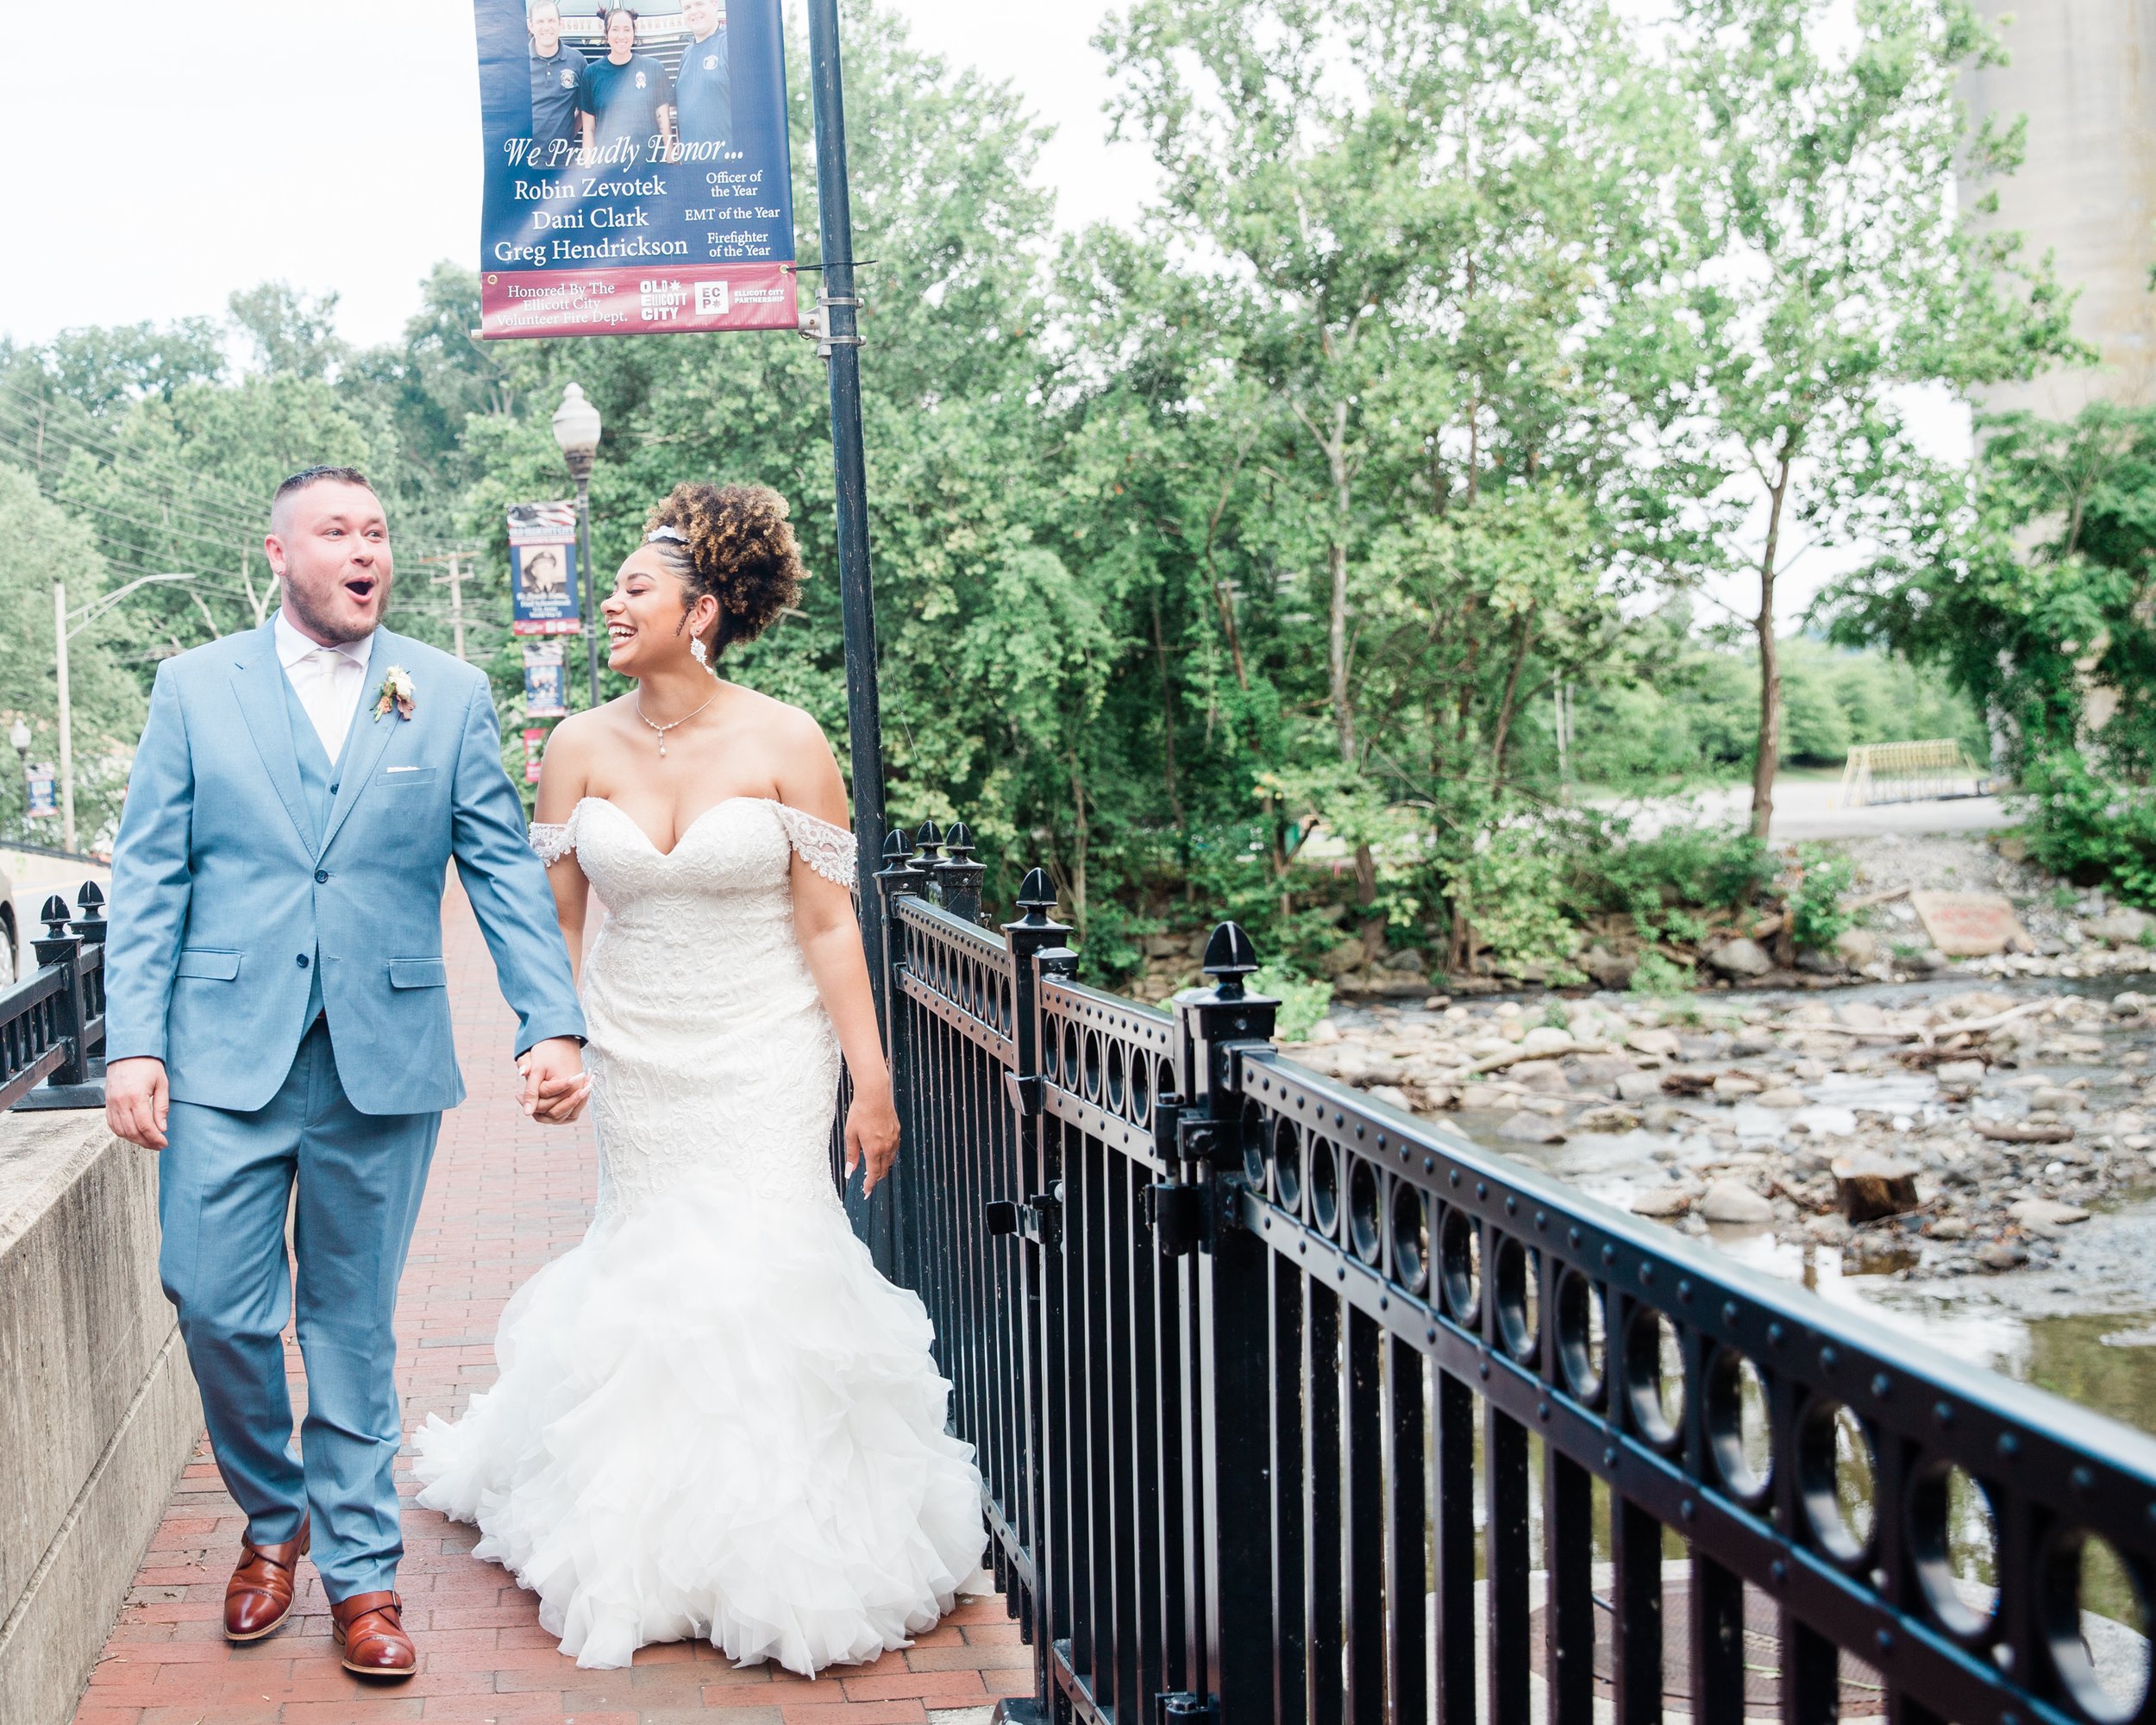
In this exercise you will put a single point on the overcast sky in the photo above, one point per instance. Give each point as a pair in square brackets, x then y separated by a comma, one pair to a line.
[338, 147]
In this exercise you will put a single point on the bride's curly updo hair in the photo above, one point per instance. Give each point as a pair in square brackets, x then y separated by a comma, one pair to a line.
[738, 546]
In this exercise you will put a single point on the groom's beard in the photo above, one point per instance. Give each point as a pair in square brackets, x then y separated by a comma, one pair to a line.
[335, 631]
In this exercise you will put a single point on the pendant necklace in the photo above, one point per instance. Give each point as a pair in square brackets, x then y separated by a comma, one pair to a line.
[662, 729]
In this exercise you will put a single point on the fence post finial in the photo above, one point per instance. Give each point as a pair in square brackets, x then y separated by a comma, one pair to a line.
[958, 877]
[1037, 898]
[90, 924]
[900, 875]
[1229, 958]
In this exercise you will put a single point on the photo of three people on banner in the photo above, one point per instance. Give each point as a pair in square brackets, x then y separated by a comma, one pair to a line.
[638, 89]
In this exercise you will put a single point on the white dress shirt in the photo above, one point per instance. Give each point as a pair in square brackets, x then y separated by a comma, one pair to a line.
[329, 681]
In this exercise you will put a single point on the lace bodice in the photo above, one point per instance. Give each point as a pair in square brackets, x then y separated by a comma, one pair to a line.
[827, 848]
[711, 1056]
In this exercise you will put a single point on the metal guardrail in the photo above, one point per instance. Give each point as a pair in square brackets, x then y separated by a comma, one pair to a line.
[52, 1022]
[1293, 1407]
[1910, 771]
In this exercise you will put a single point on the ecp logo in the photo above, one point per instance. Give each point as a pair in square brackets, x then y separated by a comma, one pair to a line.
[712, 299]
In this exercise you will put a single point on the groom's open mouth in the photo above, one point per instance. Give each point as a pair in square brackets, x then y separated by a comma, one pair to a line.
[362, 588]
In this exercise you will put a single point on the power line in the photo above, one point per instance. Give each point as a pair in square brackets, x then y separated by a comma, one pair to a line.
[164, 530]
[242, 500]
[234, 509]
[236, 512]
[207, 521]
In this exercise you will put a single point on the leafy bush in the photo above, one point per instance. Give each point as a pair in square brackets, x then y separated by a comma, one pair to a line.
[1817, 917]
[1510, 887]
[1302, 1002]
[2091, 829]
[1656, 880]
[1658, 977]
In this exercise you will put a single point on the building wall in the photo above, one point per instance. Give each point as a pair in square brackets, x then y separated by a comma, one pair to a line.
[2084, 73]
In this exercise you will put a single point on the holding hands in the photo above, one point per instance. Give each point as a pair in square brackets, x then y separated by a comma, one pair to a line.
[556, 1086]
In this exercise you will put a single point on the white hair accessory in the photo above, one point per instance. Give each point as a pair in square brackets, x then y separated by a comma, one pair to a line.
[673, 533]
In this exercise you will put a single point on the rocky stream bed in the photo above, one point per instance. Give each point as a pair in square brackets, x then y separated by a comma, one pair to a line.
[1969, 1155]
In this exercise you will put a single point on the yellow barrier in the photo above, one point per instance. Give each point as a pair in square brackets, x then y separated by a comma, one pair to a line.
[1910, 771]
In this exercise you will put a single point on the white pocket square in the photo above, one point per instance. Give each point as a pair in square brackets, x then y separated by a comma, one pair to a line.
[400, 769]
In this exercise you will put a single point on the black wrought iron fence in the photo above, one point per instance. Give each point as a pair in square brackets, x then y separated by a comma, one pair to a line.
[52, 1022]
[1293, 1407]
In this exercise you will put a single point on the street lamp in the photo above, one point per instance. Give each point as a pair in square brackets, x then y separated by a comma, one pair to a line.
[66, 625]
[576, 429]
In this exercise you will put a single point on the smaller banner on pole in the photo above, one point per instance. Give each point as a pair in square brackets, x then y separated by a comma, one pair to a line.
[534, 749]
[542, 572]
[43, 792]
[546, 695]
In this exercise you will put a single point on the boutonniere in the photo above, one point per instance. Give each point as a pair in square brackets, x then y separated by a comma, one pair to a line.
[395, 692]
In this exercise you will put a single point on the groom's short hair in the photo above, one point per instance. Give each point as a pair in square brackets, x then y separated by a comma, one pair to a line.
[312, 476]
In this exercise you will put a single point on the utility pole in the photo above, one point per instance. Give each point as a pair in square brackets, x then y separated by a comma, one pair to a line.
[67, 719]
[837, 331]
[454, 581]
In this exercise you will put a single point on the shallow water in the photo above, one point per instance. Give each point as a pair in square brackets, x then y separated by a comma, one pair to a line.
[2083, 1326]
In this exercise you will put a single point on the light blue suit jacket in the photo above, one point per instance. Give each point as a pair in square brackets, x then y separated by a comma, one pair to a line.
[223, 902]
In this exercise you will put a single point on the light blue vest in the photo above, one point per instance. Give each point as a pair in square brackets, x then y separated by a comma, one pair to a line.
[318, 784]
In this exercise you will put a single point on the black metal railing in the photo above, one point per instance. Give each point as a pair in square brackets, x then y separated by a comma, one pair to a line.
[1293, 1407]
[52, 1022]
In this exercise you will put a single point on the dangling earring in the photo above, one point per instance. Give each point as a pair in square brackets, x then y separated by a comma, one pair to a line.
[700, 652]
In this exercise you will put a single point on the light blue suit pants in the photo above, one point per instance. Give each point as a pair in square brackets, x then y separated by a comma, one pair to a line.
[225, 1181]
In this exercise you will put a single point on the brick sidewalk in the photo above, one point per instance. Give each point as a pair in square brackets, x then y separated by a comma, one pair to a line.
[505, 1197]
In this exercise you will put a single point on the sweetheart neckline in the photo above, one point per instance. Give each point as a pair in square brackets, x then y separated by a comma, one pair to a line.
[682, 836]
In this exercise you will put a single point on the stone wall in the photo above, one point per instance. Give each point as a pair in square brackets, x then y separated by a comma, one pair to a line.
[98, 1412]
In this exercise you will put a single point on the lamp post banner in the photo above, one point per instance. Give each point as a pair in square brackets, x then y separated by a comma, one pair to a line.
[638, 176]
[42, 776]
[546, 695]
[542, 572]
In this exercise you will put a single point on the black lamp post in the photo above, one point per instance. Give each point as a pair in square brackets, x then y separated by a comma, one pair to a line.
[576, 429]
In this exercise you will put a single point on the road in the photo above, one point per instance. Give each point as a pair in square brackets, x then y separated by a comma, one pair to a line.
[1809, 808]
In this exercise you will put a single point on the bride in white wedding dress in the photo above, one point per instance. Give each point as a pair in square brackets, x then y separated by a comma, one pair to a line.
[713, 1417]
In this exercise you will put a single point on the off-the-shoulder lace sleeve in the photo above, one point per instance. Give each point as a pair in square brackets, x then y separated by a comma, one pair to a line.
[554, 842]
[828, 850]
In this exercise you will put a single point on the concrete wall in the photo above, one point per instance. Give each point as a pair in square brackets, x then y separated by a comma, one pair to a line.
[98, 1412]
[2084, 73]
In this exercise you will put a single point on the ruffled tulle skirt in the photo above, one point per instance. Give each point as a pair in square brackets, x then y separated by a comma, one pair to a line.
[715, 1419]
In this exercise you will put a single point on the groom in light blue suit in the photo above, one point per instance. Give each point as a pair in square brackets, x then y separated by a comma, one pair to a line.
[278, 1017]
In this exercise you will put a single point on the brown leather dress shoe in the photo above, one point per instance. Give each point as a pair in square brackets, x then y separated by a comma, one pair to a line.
[259, 1598]
[370, 1627]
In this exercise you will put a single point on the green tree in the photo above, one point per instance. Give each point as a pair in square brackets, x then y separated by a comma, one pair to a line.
[39, 544]
[2027, 581]
[1844, 274]
[1413, 241]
